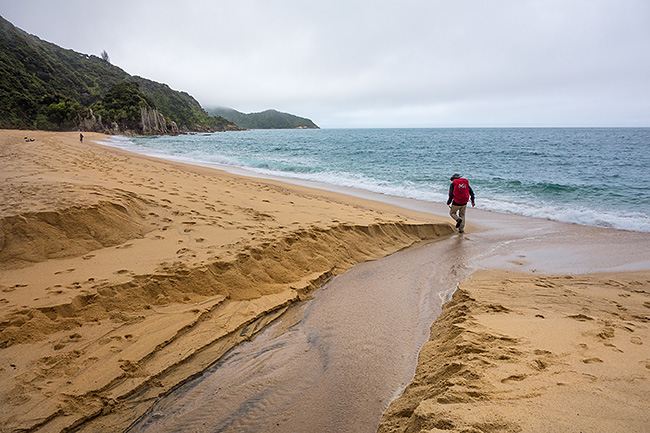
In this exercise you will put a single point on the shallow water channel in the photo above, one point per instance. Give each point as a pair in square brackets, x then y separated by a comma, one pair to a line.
[333, 363]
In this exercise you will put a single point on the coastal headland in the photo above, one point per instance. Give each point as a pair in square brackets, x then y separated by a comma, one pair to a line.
[121, 276]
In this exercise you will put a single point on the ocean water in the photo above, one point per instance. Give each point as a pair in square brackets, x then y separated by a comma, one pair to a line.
[589, 176]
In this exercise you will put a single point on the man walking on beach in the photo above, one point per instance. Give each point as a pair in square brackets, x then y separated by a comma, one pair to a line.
[459, 194]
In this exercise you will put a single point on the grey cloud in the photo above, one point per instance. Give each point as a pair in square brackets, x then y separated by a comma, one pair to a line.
[377, 63]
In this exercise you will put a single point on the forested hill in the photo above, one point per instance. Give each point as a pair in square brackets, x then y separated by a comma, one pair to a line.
[43, 86]
[269, 119]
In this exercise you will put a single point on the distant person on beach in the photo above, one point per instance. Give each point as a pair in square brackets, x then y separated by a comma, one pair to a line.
[81, 137]
[459, 194]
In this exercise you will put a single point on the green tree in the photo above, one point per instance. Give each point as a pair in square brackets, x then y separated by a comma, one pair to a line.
[31, 67]
[122, 105]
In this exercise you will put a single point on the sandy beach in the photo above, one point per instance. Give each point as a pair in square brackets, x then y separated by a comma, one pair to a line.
[515, 352]
[123, 275]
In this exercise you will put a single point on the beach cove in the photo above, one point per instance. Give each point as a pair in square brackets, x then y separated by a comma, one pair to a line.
[116, 269]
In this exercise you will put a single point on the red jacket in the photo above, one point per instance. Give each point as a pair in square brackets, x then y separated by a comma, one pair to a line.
[460, 192]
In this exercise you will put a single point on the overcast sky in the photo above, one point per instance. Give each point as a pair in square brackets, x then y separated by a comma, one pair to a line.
[376, 63]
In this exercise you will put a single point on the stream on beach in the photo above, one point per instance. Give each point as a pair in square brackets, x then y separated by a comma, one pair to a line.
[334, 363]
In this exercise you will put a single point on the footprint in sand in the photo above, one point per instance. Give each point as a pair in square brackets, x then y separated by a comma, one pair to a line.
[514, 378]
[67, 271]
[636, 340]
[606, 333]
[539, 364]
[88, 257]
[580, 317]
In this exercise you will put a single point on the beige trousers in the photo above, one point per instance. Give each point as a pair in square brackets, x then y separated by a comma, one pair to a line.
[460, 210]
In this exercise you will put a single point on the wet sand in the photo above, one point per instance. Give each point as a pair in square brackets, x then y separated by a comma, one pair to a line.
[123, 275]
[117, 269]
[550, 333]
[336, 367]
[515, 352]
[331, 364]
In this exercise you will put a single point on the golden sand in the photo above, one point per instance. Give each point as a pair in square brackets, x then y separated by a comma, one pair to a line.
[516, 352]
[122, 275]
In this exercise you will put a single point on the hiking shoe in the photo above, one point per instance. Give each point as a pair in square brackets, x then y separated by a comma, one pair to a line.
[461, 231]
[458, 222]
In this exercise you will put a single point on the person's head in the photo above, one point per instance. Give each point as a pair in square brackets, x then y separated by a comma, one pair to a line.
[455, 176]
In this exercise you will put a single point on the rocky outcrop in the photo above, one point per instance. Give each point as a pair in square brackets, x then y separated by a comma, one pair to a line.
[91, 123]
[153, 123]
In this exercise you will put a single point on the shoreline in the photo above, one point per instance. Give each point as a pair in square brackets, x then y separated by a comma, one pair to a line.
[578, 213]
[110, 300]
[121, 261]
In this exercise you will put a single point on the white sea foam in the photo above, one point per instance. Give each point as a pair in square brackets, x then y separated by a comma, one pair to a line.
[305, 168]
[571, 214]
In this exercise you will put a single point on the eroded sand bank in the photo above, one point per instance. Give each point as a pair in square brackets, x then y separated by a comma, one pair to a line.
[122, 275]
[516, 352]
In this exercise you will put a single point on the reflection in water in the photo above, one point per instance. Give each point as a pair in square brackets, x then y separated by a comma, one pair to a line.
[331, 364]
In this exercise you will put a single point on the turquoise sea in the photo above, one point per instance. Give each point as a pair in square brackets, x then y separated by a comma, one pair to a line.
[589, 176]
